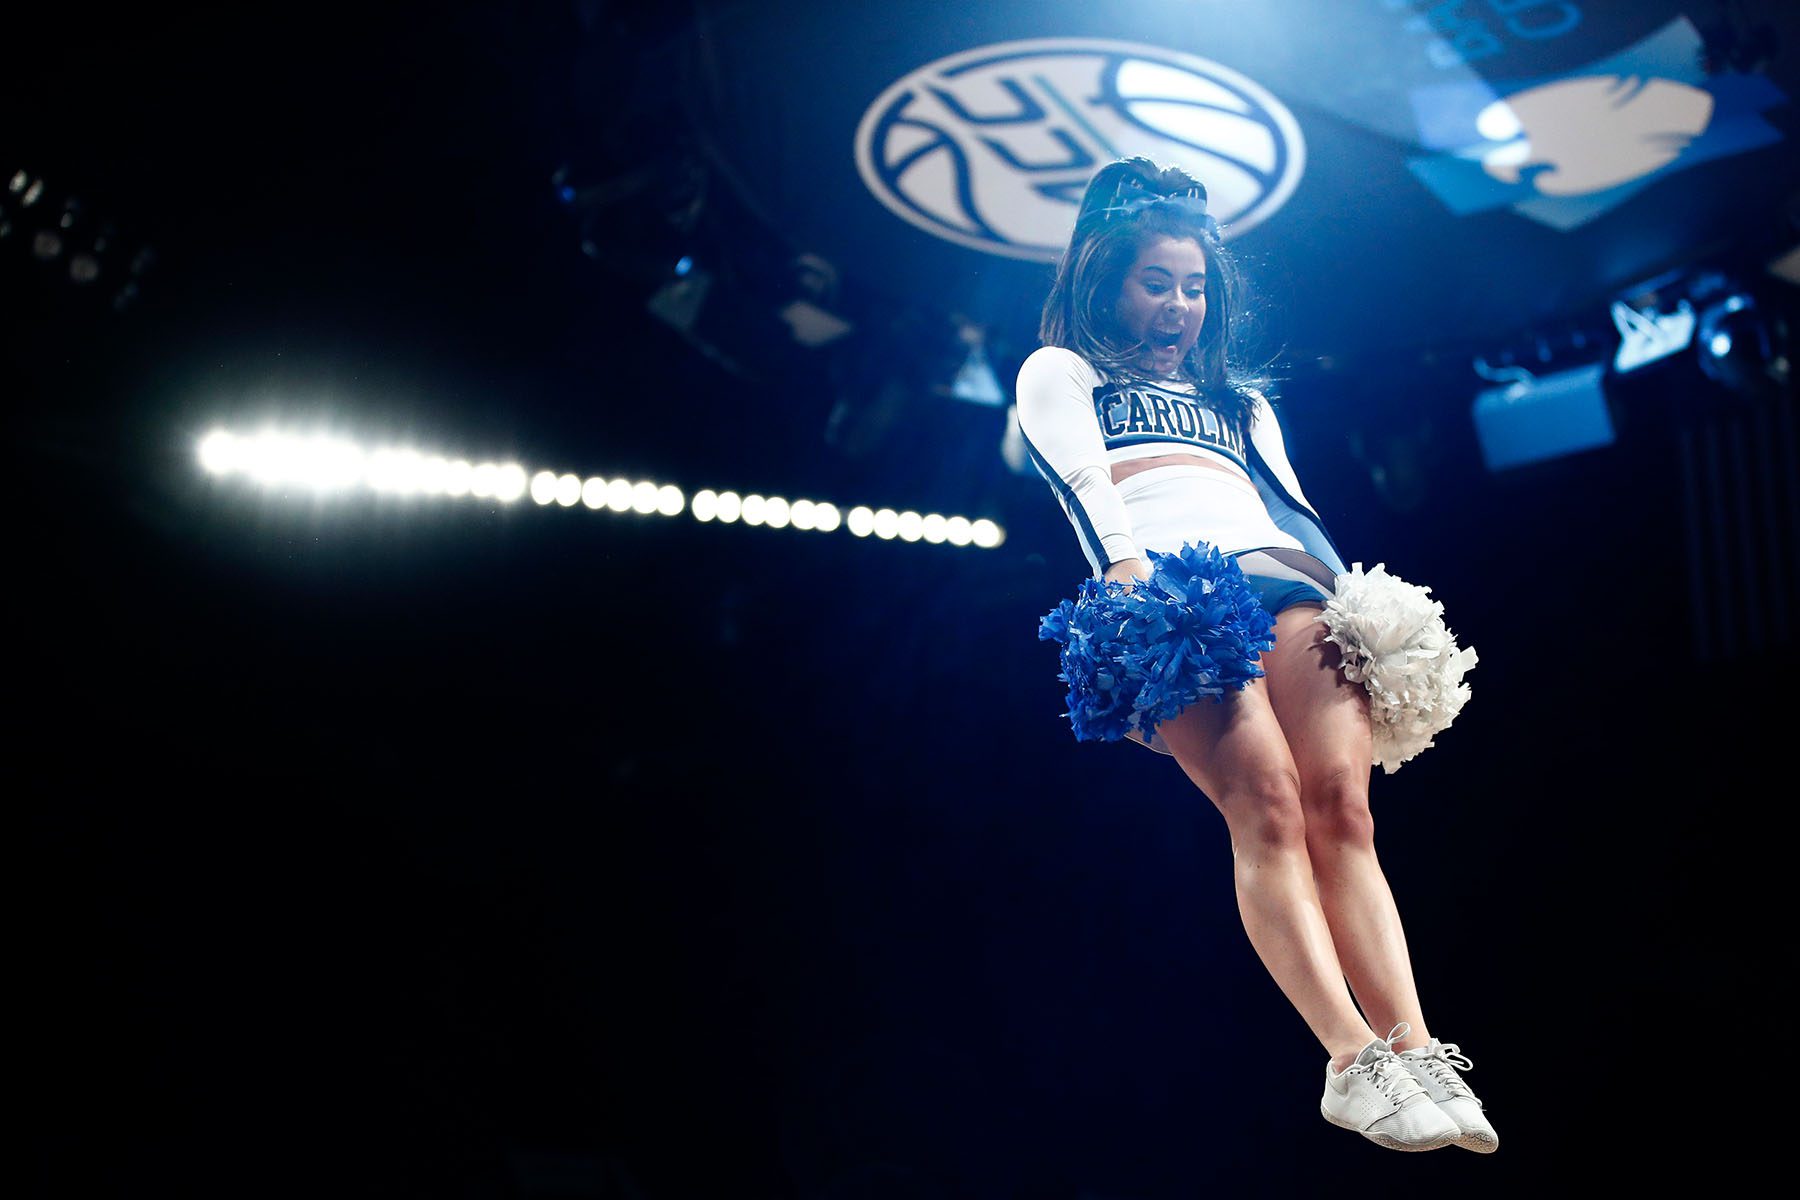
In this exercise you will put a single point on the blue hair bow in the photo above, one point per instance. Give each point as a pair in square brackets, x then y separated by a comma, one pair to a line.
[1132, 196]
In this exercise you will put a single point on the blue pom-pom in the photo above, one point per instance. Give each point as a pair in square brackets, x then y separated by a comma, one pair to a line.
[1135, 655]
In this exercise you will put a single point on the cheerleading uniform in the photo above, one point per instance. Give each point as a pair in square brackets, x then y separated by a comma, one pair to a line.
[1133, 657]
[1078, 423]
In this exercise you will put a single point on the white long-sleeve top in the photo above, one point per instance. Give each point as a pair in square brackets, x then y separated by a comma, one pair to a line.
[1077, 423]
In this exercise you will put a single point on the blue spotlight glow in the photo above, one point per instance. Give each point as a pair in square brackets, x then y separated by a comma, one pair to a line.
[684, 264]
[1720, 344]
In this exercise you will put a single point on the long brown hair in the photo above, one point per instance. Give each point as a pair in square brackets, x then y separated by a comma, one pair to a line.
[1127, 204]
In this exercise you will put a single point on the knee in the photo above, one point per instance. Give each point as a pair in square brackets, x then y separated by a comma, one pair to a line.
[1265, 812]
[1337, 808]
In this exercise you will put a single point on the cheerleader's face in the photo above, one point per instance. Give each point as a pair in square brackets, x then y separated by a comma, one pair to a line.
[1162, 302]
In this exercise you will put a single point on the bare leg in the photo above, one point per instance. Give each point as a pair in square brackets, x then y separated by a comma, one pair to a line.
[1235, 753]
[1326, 721]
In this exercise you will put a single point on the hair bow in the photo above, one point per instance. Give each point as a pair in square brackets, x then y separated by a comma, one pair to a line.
[1131, 195]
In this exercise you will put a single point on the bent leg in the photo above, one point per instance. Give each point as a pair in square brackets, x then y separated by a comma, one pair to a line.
[1235, 753]
[1326, 722]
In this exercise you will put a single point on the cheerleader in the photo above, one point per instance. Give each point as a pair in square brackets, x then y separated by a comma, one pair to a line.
[1222, 627]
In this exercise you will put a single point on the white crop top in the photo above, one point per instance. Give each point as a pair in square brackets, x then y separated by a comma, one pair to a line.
[1078, 422]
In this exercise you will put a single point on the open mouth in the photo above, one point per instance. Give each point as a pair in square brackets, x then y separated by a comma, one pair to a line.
[1164, 338]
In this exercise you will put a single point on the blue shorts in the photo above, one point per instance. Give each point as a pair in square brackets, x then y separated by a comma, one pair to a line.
[1277, 594]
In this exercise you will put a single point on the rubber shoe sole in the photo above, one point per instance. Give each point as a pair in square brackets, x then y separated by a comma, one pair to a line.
[1392, 1142]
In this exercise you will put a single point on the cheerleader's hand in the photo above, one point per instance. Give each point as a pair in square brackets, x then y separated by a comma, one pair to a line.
[1128, 571]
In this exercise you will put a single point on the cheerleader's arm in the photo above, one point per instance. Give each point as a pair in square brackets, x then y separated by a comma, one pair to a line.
[1062, 438]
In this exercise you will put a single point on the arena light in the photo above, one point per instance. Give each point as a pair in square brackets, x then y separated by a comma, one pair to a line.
[323, 464]
[1646, 335]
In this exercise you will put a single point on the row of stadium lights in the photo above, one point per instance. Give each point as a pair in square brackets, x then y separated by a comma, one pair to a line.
[326, 464]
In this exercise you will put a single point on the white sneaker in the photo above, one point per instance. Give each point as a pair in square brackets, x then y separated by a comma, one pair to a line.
[1434, 1066]
[1378, 1097]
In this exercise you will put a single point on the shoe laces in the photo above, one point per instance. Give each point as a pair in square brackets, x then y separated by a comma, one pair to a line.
[1391, 1078]
[1388, 1073]
[1442, 1068]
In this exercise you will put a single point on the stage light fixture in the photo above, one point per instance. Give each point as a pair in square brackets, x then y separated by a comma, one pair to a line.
[1646, 334]
[218, 452]
[512, 483]
[323, 463]
[1738, 349]
[1538, 417]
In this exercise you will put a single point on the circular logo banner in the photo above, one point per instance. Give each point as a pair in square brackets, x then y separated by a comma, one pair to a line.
[991, 148]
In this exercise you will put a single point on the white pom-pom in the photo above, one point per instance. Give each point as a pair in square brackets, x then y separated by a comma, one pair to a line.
[1395, 644]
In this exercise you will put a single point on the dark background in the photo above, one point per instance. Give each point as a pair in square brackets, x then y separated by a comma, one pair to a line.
[382, 848]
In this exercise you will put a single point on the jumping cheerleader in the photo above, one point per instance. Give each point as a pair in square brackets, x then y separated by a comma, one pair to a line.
[1223, 628]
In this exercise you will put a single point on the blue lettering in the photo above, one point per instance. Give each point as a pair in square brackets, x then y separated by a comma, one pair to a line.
[1563, 17]
[1185, 424]
[1111, 421]
[1209, 425]
[1473, 42]
[1161, 405]
[1139, 421]
[1464, 38]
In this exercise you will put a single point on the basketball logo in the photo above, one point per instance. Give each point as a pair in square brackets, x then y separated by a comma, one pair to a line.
[991, 148]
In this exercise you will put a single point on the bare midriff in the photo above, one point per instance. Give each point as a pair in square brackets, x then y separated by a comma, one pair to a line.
[1123, 471]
